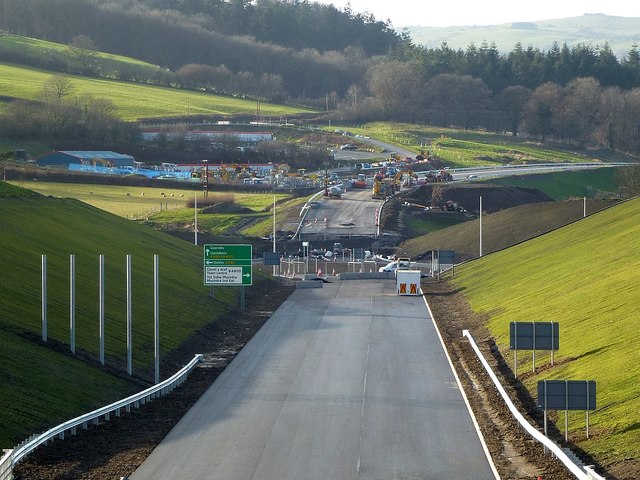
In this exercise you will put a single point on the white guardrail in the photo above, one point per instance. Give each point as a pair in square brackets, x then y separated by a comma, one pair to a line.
[12, 457]
[582, 473]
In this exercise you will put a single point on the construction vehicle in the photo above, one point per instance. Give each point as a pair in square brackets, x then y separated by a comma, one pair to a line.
[379, 188]
[437, 177]
[360, 182]
[445, 176]
[397, 181]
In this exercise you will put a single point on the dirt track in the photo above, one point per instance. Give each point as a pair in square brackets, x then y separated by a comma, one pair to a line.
[114, 450]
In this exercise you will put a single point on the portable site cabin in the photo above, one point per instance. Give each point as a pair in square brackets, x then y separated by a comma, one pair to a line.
[408, 282]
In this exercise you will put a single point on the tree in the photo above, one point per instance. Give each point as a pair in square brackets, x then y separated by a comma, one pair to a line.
[19, 119]
[545, 102]
[57, 87]
[455, 100]
[270, 85]
[610, 131]
[629, 180]
[397, 87]
[98, 115]
[582, 103]
[607, 69]
[512, 102]
[472, 100]
[439, 98]
[354, 95]
[84, 50]
[195, 75]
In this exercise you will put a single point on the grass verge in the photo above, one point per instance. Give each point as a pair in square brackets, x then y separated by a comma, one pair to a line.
[585, 276]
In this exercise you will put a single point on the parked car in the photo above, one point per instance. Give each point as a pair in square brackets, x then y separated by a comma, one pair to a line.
[349, 146]
[389, 267]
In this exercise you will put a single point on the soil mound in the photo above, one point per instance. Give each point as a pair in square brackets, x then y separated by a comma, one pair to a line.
[494, 197]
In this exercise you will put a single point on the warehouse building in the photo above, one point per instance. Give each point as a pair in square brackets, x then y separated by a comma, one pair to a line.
[64, 158]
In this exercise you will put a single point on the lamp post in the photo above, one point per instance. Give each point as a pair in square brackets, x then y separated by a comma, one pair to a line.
[195, 216]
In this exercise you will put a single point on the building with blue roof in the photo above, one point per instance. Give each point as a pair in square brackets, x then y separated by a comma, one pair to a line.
[105, 158]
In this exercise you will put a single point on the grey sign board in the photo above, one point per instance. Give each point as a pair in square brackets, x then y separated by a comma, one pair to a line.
[358, 253]
[271, 258]
[534, 335]
[567, 394]
[446, 256]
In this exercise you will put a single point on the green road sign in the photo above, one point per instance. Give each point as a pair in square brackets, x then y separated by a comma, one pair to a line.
[228, 265]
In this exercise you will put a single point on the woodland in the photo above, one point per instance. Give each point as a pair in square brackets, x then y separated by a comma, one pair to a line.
[350, 66]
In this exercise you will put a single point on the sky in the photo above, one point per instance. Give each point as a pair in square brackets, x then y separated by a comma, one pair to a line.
[430, 13]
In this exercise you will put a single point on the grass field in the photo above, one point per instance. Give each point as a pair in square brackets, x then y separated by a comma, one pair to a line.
[35, 225]
[585, 276]
[37, 47]
[176, 207]
[465, 148]
[134, 101]
[145, 202]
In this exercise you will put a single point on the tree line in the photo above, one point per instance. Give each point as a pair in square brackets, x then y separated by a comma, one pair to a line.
[579, 112]
[350, 64]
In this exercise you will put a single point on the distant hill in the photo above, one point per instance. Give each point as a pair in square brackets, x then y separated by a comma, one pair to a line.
[592, 29]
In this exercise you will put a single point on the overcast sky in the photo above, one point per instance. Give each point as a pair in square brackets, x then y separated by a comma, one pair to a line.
[429, 13]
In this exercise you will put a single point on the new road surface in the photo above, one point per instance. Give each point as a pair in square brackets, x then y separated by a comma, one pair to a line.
[354, 214]
[348, 381]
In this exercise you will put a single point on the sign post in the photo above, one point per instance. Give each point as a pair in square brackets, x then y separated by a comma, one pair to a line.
[566, 395]
[533, 336]
[228, 265]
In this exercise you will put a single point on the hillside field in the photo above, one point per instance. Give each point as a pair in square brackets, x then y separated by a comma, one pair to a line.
[467, 148]
[585, 276]
[135, 101]
[46, 384]
[163, 208]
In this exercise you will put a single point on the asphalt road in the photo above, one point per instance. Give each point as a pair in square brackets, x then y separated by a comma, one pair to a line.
[345, 382]
[352, 214]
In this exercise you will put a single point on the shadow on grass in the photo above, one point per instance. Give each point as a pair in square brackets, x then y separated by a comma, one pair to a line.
[592, 352]
[631, 428]
[448, 293]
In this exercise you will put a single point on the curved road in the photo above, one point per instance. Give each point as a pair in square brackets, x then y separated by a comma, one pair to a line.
[348, 381]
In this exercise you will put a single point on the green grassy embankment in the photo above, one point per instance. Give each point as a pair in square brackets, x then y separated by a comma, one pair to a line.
[565, 185]
[585, 276]
[515, 225]
[44, 384]
[501, 229]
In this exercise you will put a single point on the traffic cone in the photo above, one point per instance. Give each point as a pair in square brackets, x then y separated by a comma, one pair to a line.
[319, 272]
[334, 272]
